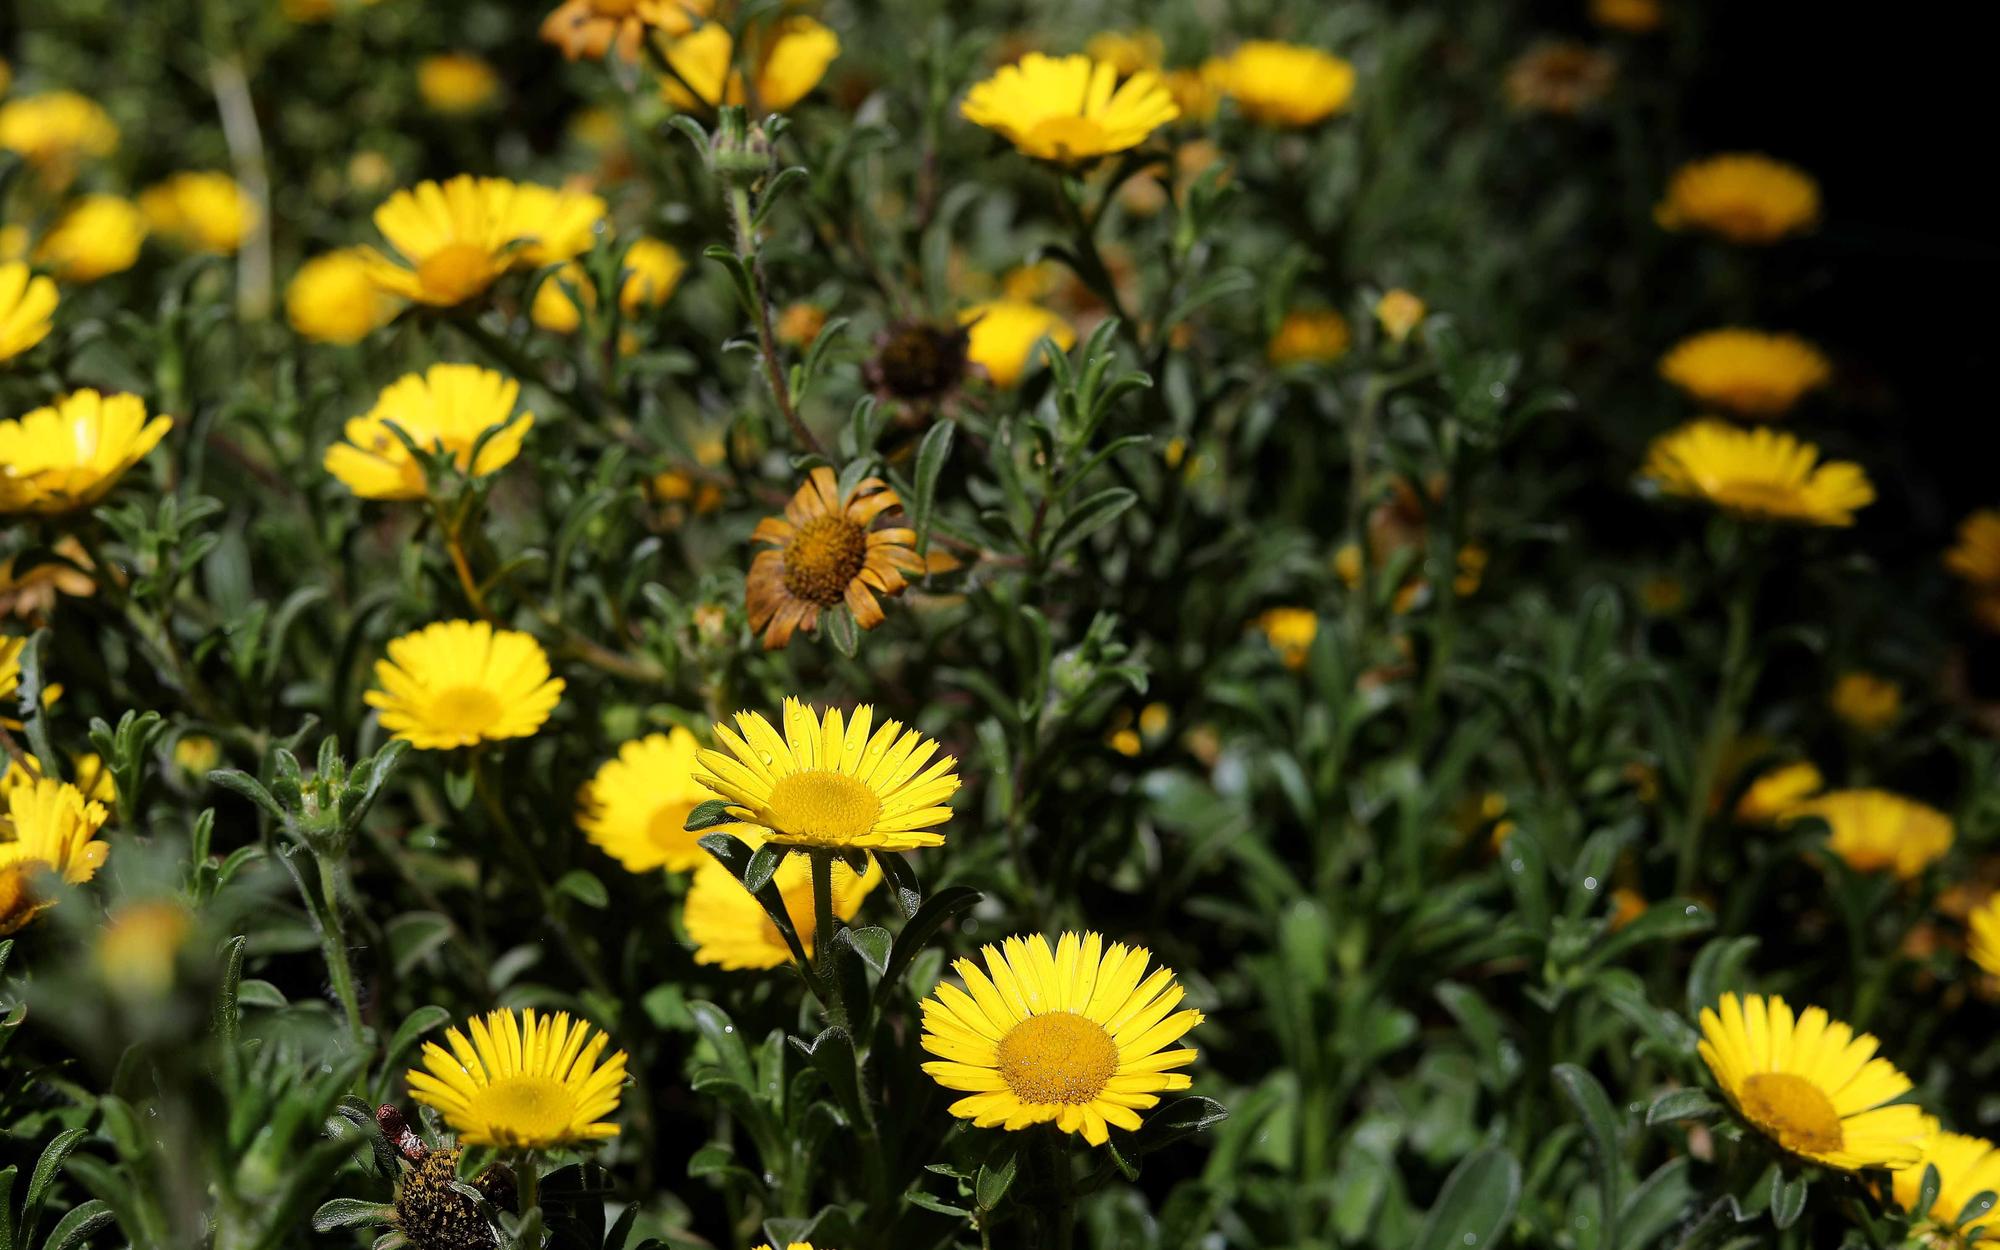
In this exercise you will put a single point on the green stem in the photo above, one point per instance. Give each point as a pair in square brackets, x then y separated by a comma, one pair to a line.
[760, 315]
[527, 1182]
[822, 940]
[1733, 685]
[333, 938]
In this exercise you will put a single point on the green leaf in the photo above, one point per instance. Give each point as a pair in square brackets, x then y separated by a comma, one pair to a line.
[832, 1056]
[903, 878]
[77, 1227]
[1655, 1205]
[1788, 1198]
[1170, 1122]
[39, 1185]
[931, 457]
[731, 1054]
[994, 1181]
[581, 885]
[1682, 1104]
[414, 1026]
[873, 943]
[1090, 515]
[708, 814]
[351, 1213]
[1605, 1128]
[1477, 1202]
[917, 933]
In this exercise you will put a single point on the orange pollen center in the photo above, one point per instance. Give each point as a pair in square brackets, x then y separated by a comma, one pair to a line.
[1058, 1057]
[1794, 1111]
[823, 558]
[455, 272]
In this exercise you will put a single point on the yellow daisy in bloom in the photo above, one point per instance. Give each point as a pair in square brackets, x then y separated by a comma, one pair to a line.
[1866, 703]
[524, 1081]
[70, 454]
[333, 299]
[49, 828]
[1876, 831]
[636, 807]
[87, 772]
[447, 408]
[1975, 558]
[590, 28]
[32, 595]
[208, 212]
[652, 271]
[455, 83]
[825, 554]
[459, 683]
[1309, 336]
[1561, 77]
[553, 224]
[1635, 17]
[27, 302]
[790, 59]
[1811, 1084]
[54, 130]
[829, 783]
[1399, 313]
[1069, 109]
[1003, 334]
[1775, 795]
[1967, 1167]
[454, 239]
[138, 945]
[730, 928]
[1741, 197]
[1074, 1036]
[98, 236]
[1748, 372]
[1284, 84]
[1759, 474]
[1198, 90]
[1984, 947]
[1290, 631]
[196, 755]
[1128, 52]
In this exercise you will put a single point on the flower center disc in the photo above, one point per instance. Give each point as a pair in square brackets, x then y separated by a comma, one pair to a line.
[1066, 138]
[525, 1108]
[1793, 1110]
[469, 710]
[455, 272]
[823, 558]
[1057, 1057]
[668, 827]
[824, 807]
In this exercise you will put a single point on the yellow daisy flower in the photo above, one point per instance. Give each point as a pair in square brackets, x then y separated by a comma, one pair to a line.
[1069, 109]
[587, 29]
[524, 1081]
[1003, 333]
[790, 58]
[1967, 1167]
[636, 807]
[1744, 198]
[1284, 84]
[1128, 52]
[27, 302]
[830, 784]
[1810, 1084]
[1748, 372]
[1198, 90]
[454, 239]
[1074, 1036]
[1399, 313]
[1984, 947]
[1290, 631]
[1775, 795]
[448, 408]
[825, 553]
[98, 235]
[332, 298]
[1976, 556]
[52, 131]
[1865, 702]
[652, 270]
[730, 928]
[1309, 336]
[459, 683]
[208, 212]
[1876, 831]
[1758, 474]
[70, 454]
[553, 224]
[456, 83]
[49, 827]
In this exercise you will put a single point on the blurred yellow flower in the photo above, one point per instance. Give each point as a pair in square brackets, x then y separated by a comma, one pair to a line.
[1984, 925]
[1069, 109]
[1073, 1036]
[1876, 831]
[1128, 52]
[1975, 558]
[1198, 90]
[1003, 335]
[459, 683]
[1748, 372]
[590, 28]
[196, 755]
[523, 1082]
[1759, 474]
[652, 270]
[208, 212]
[447, 408]
[56, 129]
[1560, 77]
[1632, 16]
[553, 224]
[1811, 1084]
[829, 783]
[27, 304]
[1776, 794]
[1741, 197]
[825, 553]
[334, 299]
[1865, 702]
[1399, 313]
[32, 595]
[800, 323]
[1967, 1167]
[1284, 84]
[49, 828]
[456, 83]
[453, 239]
[138, 945]
[1290, 631]
[1309, 336]
[1627, 905]
[636, 807]
[729, 927]
[98, 235]
[790, 58]
[71, 453]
